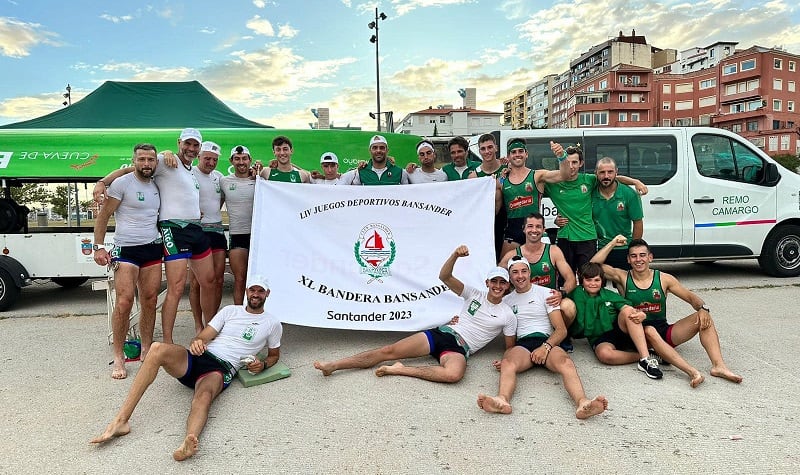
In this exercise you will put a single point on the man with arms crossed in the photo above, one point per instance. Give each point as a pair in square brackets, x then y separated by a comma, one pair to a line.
[209, 364]
[540, 328]
[239, 190]
[137, 253]
[482, 316]
[647, 290]
[179, 223]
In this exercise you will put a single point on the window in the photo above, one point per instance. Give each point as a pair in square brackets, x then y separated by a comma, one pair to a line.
[754, 105]
[650, 158]
[776, 104]
[623, 79]
[684, 88]
[442, 119]
[776, 124]
[601, 118]
[790, 106]
[729, 69]
[730, 89]
[623, 98]
[778, 63]
[634, 117]
[585, 119]
[726, 159]
[666, 89]
[665, 105]
[752, 125]
[604, 84]
[708, 83]
[748, 65]
[737, 108]
[684, 122]
[773, 143]
[705, 119]
[785, 142]
[777, 84]
[683, 105]
[790, 86]
[752, 84]
[736, 128]
[791, 65]
[665, 122]
[432, 120]
[635, 79]
[707, 101]
[623, 116]
[590, 88]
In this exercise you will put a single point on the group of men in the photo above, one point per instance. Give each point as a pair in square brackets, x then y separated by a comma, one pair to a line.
[168, 209]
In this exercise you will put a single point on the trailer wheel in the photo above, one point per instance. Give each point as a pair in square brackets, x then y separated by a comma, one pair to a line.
[69, 282]
[9, 292]
[780, 256]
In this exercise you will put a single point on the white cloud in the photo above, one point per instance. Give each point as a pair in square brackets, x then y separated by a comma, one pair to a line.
[207, 30]
[259, 3]
[286, 31]
[405, 6]
[17, 38]
[260, 26]
[116, 19]
[29, 107]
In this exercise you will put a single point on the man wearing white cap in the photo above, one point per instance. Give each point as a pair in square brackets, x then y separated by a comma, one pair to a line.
[427, 173]
[482, 317]
[211, 199]
[179, 223]
[330, 170]
[239, 190]
[540, 328]
[378, 171]
[209, 364]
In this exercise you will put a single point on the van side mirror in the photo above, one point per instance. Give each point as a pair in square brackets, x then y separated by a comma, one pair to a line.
[771, 174]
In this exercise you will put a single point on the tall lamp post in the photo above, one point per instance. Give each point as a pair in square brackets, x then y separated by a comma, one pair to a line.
[373, 25]
[68, 96]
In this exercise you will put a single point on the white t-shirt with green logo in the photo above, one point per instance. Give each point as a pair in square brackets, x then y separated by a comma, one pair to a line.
[480, 321]
[242, 333]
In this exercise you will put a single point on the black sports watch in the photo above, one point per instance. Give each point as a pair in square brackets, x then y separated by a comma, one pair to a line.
[705, 307]
[97, 247]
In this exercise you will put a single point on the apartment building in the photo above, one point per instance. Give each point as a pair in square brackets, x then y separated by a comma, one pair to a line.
[619, 97]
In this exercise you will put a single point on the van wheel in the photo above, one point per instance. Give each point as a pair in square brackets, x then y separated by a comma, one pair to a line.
[69, 282]
[780, 256]
[9, 292]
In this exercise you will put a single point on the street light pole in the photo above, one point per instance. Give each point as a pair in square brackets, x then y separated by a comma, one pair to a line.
[373, 25]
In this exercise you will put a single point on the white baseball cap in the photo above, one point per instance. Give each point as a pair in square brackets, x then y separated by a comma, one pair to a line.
[377, 139]
[258, 280]
[239, 149]
[498, 272]
[190, 133]
[517, 260]
[210, 147]
[329, 157]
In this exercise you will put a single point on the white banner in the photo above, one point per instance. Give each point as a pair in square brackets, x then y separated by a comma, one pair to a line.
[368, 257]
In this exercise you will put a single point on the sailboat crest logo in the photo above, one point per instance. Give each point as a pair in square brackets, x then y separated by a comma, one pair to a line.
[375, 251]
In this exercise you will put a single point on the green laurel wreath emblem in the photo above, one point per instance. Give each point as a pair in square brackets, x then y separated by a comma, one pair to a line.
[392, 254]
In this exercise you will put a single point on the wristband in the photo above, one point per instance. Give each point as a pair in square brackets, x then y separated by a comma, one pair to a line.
[549, 346]
[562, 157]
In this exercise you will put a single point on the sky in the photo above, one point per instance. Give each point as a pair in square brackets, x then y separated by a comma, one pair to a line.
[273, 61]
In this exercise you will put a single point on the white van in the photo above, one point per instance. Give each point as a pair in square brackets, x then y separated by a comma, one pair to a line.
[713, 195]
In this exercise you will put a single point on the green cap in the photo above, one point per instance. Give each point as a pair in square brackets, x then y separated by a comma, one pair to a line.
[515, 144]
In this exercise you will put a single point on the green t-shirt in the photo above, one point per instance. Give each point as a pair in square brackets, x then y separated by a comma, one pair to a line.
[452, 173]
[595, 314]
[615, 215]
[574, 201]
[288, 177]
[392, 176]
[651, 300]
[480, 173]
[521, 199]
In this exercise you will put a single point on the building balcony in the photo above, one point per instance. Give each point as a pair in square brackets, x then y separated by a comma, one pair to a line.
[641, 87]
[740, 96]
[737, 116]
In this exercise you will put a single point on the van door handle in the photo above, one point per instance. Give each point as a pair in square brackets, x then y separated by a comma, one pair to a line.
[660, 201]
[705, 199]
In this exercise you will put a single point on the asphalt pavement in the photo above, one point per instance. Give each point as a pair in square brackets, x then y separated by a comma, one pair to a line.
[56, 394]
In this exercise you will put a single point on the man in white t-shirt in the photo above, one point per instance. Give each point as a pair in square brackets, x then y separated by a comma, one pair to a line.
[426, 172]
[540, 328]
[482, 317]
[211, 199]
[136, 255]
[209, 364]
[329, 163]
[239, 190]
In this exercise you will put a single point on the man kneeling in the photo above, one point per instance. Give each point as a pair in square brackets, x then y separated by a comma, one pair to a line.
[210, 363]
[481, 319]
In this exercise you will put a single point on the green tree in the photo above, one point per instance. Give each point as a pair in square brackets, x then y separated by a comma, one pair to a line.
[60, 198]
[31, 194]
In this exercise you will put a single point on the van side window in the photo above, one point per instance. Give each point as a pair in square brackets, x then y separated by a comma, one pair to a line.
[651, 159]
[726, 159]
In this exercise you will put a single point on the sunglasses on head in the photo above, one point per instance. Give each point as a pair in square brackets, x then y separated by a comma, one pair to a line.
[573, 149]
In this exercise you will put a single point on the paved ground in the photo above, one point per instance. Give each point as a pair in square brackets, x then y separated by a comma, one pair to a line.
[56, 394]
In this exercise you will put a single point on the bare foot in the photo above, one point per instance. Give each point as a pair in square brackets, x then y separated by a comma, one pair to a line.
[326, 368]
[725, 373]
[697, 378]
[119, 371]
[587, 408]
[387, 370]
[496, 405]
[187, 449]
[114, 430]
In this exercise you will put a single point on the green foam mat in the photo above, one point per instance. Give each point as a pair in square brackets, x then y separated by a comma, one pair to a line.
[273, 373]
